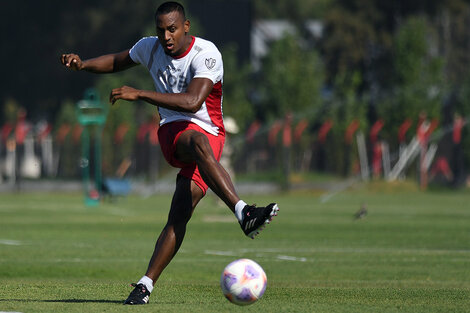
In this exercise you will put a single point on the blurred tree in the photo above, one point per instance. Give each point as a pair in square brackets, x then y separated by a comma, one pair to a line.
[454, 45]
[345, 106]
[366, 39]
[122, 116]
[417, 76]
[236, 87]
[358, 36]
[289, 85]
[67, 148]
[67, 114]
[10, 110]
[291, 81]
[452, 23]
[463, 109]
[294, 10]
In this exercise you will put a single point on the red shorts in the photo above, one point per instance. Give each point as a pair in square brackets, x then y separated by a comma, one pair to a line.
[168, 135]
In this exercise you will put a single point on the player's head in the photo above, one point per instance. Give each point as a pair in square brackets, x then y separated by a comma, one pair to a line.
[170, 6]
[172, 28]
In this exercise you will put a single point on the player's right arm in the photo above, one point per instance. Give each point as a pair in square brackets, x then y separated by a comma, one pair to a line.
[108, 63]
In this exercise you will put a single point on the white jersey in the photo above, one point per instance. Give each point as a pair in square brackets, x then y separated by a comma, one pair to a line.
[173, 75]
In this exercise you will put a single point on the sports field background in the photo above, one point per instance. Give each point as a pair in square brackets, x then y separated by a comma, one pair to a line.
[410, 253]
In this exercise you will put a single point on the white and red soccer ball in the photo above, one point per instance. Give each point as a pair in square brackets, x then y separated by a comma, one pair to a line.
[243, 281]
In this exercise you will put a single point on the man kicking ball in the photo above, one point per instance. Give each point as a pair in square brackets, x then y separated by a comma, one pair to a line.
[188, 76]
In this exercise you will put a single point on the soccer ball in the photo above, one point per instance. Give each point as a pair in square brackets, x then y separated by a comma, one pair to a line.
[243, 281]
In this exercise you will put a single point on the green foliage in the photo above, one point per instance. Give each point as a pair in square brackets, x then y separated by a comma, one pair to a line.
[418, 80]
[67, 114]
[345, 107]
[10, 110]
[404, 56]
[289, 85]
[295, 10]
[463, 109]
[70, 151]
[355, 38]
[455, 16]
[122, 113]
[291, 80]
[410, 47]
[236, 87]
[351, 106]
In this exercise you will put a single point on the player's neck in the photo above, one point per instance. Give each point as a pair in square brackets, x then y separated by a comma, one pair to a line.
[189, 42]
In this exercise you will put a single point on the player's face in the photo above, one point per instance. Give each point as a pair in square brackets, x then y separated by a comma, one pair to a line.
[172, 32]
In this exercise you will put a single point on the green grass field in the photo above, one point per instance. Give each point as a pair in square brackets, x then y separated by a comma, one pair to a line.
[411, 253]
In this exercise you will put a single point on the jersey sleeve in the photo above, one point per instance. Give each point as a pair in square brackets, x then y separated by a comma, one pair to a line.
[208, 64]
[139, 53]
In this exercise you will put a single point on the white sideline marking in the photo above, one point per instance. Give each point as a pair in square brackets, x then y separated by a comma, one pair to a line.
[279, 257]
[9, 242]
[291, 258]
[214, 252]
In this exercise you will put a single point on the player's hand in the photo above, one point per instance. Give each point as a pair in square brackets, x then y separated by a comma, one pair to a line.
[71, 61]
[124, 93]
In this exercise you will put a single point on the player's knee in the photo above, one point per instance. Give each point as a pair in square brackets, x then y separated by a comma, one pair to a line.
[201, 146]
[179, 220]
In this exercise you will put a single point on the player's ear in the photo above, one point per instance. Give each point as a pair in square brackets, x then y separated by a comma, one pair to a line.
[187, 26]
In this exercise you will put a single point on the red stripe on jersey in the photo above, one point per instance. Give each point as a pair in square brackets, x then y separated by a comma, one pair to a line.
[214, 106]
[187, 50]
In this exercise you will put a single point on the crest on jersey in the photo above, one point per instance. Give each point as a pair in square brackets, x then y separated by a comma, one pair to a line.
[210, 63]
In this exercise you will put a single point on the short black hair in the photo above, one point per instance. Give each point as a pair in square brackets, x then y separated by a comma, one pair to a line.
[168, 7]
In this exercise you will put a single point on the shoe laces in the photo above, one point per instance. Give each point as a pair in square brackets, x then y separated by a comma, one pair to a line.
[142, 288]
[250, 209]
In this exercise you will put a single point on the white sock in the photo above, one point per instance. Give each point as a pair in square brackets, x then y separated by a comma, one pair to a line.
[238, 210]
[147, 281]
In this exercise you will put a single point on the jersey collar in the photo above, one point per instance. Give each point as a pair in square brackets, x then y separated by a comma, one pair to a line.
[187, 50]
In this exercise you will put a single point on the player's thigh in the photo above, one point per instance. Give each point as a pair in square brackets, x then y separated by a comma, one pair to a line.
[190, 144]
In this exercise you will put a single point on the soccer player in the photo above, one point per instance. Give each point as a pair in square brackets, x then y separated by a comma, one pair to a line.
[188, 75]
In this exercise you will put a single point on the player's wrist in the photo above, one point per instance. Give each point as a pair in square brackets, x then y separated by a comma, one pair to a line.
[141, 95]
[82, 66]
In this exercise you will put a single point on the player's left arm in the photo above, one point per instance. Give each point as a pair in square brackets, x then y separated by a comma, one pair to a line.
[190, 101]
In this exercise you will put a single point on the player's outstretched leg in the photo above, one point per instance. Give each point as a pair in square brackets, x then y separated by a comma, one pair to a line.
[256, 218]
[185, 199]
[140, 295]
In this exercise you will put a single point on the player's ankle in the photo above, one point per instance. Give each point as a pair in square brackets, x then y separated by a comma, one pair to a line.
[147, 281]
[239, 210]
